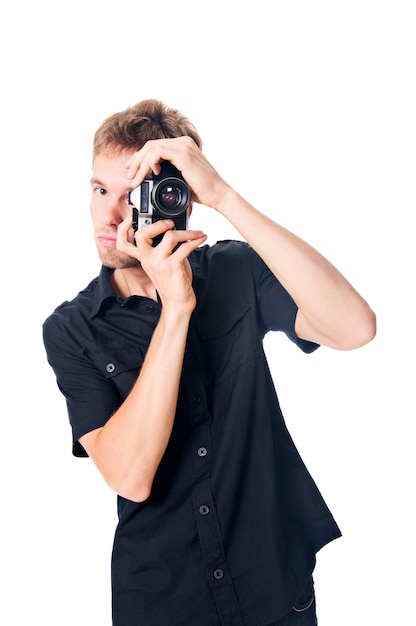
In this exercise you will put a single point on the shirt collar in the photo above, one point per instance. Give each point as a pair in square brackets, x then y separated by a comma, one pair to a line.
[105, 289]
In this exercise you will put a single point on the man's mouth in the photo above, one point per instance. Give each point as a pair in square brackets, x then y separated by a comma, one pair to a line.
[106, 241]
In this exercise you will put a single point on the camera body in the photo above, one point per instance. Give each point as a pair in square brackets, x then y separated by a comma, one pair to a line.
[160, 197]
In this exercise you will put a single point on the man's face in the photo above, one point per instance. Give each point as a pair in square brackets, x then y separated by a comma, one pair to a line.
[109, 206]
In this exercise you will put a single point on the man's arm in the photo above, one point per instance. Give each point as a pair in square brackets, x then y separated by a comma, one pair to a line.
[129, 448]
[330, 311]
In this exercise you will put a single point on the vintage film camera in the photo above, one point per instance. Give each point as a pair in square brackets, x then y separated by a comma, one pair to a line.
[161, 197]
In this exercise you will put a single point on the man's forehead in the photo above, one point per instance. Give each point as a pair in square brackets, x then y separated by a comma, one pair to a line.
[111, 155]
[111, 166]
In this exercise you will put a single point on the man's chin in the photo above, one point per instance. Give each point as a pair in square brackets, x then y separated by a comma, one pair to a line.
[116, 260]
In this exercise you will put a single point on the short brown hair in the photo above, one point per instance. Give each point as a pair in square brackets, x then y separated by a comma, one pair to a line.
[148, 119]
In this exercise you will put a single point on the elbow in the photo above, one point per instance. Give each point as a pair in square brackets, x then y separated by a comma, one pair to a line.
[134, 490]
[371, 326]
[362, 331]
[367, 328]
[136, 495]
[132, 481]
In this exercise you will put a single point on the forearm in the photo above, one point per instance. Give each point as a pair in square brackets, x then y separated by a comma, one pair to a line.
[331, 312]
[129, 448]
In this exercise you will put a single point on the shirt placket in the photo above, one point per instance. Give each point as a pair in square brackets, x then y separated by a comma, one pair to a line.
[206, 515]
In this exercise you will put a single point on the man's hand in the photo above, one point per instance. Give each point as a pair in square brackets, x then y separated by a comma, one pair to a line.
[167, 263]
[208, 188]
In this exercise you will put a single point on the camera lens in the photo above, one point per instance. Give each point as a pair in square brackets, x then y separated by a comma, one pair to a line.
[171, 196]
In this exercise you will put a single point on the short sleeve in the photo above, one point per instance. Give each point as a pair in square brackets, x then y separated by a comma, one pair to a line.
[277, 309]
[90, 397]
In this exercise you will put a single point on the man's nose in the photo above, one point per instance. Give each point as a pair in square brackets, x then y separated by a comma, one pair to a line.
[116, 212]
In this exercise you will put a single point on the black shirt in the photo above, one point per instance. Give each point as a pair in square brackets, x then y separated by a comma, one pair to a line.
[230, 531]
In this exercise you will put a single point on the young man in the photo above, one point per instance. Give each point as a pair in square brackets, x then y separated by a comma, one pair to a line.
[160, 360]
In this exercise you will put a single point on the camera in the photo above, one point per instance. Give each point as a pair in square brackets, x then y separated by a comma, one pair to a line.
[160, 197]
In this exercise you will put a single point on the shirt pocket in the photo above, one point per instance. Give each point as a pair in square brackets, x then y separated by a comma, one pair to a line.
[119, 364]
[228, 336]
[220, 317]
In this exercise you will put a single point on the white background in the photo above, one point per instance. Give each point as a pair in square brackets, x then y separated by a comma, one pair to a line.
[308, 109]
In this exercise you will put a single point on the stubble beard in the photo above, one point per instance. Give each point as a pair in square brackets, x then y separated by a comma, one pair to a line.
[116, 260]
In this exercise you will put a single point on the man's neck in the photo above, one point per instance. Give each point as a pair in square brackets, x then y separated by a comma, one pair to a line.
[132, 281]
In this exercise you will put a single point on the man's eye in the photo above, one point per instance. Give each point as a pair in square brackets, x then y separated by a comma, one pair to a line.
[100, 191]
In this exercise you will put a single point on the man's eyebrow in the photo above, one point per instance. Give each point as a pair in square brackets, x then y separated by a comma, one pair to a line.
[96, 181]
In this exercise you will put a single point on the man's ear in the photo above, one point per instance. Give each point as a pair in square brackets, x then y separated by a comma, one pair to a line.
[191, 206]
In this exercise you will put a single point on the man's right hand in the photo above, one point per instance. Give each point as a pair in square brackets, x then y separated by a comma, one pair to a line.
[166, 264]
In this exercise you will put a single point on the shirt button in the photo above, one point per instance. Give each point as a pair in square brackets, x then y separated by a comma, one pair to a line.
[202, 451]
[150, 309]
[204, 509]
[218, 574]
[110, 367]
[197, 398]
